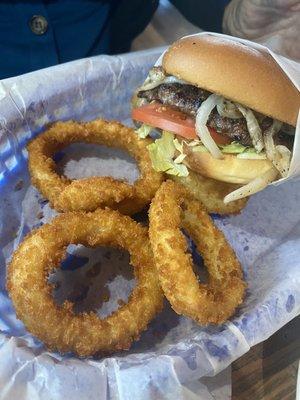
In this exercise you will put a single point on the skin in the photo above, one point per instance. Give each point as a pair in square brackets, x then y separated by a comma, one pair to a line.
[271, 22]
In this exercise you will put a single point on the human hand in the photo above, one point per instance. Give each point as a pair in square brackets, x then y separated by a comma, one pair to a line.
[275, 23]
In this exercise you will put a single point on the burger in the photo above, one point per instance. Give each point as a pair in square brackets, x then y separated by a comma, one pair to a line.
[222, 109]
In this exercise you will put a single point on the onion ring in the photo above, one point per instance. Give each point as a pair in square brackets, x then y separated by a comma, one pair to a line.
[90, 193]
[171, 209]
[57, 326]
[212, 193]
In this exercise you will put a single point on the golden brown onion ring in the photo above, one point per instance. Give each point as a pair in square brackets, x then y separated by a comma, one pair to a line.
[90, 193]
[171, 209]
[57, 326]
[211, 193]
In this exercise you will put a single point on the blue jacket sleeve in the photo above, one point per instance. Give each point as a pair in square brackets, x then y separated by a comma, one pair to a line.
[207, 14]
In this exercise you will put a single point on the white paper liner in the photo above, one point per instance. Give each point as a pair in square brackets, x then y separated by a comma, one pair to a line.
[174, 350]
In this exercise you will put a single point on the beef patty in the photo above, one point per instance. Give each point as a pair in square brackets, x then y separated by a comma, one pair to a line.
[188, 99]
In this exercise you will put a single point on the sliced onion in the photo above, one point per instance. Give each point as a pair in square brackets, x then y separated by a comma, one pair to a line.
[156, 74]
[252, 187]
[201, 120]
[173, 79]
[253, 127]
[157, 77]
[193, 143]
[252, 156]
[178, 145]
[228, 109]
[150, 85]
[269, 141]
[279, 155]
[283, 164]
[180, 158]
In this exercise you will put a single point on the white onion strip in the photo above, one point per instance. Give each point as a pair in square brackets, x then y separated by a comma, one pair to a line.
[269, 139]
[228, 109]
[256, 185]
[157, 78]
[283, 164]
[202, 131]
[150, 85]
[252, 156]
[279, 155]
[253, 127]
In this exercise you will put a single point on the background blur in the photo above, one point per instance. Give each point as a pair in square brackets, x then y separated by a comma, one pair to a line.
[35, 34]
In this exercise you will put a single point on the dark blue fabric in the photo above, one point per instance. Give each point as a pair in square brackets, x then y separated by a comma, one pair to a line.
[83, 28]
[207, 14]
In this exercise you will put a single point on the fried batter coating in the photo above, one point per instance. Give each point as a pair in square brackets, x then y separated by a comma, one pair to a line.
[211, 193]
[172, 208]
[90, 193]
[57, 326]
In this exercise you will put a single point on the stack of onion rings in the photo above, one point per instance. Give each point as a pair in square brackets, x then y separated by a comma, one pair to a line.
[90, 193]
[57, 326]
[172, 208]
[175, 206]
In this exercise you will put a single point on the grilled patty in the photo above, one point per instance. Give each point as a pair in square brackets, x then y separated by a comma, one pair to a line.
[188, 99]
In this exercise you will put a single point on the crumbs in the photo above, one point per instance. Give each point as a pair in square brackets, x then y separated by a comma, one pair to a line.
[40, 215]
[19, 186]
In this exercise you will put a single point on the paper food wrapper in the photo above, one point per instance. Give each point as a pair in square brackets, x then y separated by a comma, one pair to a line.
[292, 70]
[174, 351]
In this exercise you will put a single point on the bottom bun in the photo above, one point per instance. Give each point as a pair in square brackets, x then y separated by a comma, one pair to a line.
[229, 169]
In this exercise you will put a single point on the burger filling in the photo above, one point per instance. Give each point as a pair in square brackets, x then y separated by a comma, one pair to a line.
[206, 122]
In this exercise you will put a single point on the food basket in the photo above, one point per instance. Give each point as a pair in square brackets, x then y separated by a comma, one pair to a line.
[174, 350]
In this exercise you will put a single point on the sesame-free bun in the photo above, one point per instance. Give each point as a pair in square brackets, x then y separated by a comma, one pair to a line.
[228, 169]
[235, 71]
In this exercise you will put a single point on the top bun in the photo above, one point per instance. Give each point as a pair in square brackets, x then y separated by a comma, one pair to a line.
[235, 71]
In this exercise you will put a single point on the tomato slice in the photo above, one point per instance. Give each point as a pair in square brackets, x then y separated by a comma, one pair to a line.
[169, 119]
[166, 118]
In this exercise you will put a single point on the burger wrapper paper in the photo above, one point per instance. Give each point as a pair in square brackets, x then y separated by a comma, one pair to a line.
[174, 351]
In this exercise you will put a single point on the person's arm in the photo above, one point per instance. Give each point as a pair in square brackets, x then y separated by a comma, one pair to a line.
[273, 22]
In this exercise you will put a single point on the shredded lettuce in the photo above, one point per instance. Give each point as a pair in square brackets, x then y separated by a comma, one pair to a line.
[193, 143]
[178, 145]
[143, 131]
[162, 152]
[199, 149]
[180, 158]
[234, 148]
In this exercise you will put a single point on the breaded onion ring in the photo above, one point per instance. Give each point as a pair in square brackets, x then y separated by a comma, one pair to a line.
[211, 193]
[57, 326]
[171, 209]
[90, 193]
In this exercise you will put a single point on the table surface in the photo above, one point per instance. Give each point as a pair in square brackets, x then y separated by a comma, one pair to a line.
[269, 370]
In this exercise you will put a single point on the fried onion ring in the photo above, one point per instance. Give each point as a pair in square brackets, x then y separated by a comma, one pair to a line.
[211, 193]
[57, 326]
[90, 193]
[171, 209]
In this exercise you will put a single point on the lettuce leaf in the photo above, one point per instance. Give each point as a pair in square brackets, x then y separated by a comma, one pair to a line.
[162, 152]
[233, 148]
[143, 131]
